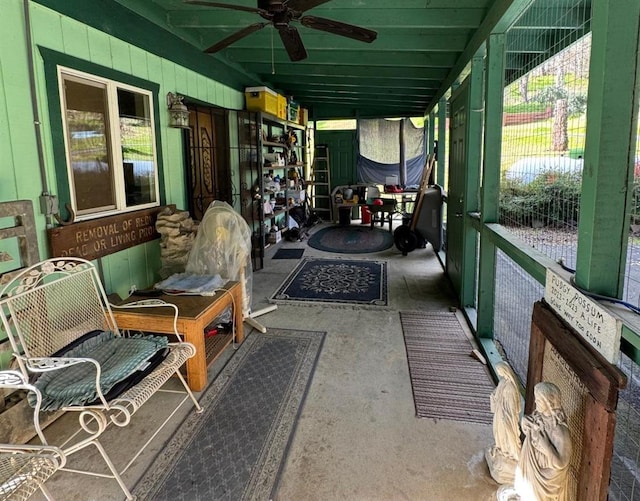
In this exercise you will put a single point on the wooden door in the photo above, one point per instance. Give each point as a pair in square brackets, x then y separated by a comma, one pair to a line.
[456, 187]
[342, 155]
[208, 173]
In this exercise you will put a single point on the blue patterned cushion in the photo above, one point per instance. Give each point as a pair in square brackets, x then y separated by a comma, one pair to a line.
[119, 357]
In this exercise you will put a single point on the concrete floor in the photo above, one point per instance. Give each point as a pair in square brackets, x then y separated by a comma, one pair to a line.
[358, 437]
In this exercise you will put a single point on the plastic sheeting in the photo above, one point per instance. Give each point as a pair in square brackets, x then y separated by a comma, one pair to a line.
[223, 247]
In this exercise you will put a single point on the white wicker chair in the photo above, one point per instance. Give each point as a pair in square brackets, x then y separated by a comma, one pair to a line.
[54, 303]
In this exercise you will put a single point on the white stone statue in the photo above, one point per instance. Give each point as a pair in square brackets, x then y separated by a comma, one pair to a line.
[506, 405]
[542, 471]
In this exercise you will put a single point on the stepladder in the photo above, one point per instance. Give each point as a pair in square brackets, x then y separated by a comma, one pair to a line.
[319, 183]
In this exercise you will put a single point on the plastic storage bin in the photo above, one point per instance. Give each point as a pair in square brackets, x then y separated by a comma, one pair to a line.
[282, 107]
[261, 99]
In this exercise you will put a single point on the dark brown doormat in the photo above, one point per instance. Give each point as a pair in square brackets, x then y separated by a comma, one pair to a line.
[448, 383]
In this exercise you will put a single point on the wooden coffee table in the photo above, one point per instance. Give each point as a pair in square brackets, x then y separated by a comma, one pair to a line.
[194, 314]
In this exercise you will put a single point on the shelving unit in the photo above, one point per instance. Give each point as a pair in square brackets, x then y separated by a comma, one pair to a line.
[282, 159]
[261, 141]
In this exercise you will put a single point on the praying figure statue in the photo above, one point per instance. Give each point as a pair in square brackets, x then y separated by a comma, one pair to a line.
[542, 471]
[506, 406]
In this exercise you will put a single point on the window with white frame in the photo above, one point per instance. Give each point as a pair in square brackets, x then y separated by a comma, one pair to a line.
[110, 144]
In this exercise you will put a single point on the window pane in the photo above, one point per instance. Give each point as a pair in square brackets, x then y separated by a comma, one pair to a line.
[136, 137]
[89, 145]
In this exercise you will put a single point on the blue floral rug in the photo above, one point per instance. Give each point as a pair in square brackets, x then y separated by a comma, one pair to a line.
[335, 281]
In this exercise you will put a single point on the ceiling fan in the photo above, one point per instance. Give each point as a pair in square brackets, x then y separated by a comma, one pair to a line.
[280, 13]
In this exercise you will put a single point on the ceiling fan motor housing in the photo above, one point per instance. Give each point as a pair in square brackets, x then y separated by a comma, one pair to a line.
[272, 5]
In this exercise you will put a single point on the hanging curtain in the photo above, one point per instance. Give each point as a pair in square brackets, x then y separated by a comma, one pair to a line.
[380, 151]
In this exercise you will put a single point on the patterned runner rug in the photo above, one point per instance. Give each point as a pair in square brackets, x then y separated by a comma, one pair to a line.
[447, 381]
[342, 281]
[236, 449]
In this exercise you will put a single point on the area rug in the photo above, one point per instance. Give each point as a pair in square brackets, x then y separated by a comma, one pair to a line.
[351, 239]
[236, 449]
[448, 383]
[288, 254]
[335, 281]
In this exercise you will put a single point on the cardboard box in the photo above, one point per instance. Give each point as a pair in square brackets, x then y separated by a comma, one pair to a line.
[303, 116]
[275, 236]
[261, 99]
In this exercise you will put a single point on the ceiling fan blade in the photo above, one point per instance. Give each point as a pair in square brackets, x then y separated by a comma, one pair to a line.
[224, 6]
[292, 43]
[338, 28]
[223, 44]
[304, 5]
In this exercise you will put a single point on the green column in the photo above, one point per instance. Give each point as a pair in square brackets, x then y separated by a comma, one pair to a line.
[432, 132]
[610, 147]
[489, 193]
[442, 141]
[472, 183]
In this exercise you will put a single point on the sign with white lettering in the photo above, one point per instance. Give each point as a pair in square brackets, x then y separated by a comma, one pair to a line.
[101, 237]
[595, 324]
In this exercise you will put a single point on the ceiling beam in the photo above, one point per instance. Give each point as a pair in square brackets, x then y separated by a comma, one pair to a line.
[357, 58]
[333, 97]
[328, 41]
[368, 92]
[321, 71]
[502, 14]
[349, 81]
[381, 18]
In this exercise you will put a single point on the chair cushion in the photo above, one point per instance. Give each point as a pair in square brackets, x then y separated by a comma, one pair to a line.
[119, 358]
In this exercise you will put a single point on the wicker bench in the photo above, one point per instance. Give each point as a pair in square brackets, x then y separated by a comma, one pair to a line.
[62, 331]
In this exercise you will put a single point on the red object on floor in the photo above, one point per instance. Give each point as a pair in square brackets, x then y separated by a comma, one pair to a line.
[366, 215]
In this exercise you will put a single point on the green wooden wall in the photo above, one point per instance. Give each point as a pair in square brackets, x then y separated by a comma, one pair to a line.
[19, 171]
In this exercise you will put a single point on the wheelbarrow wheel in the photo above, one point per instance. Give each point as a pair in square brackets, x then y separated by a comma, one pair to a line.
[405, 239]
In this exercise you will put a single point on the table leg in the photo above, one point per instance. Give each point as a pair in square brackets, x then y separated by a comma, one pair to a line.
[238, 314]
[196, 365]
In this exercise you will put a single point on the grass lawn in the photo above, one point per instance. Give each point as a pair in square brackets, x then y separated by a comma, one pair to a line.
[534, 139]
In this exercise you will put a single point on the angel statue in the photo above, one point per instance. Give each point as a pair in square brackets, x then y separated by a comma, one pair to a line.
[506, 406]
[542, 471]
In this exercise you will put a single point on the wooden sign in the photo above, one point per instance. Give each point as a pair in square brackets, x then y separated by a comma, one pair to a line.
[589, 386]
[101, 237]
[595, 324]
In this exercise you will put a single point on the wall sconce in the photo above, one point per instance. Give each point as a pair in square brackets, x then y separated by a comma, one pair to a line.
[178, 112]
[5, 257]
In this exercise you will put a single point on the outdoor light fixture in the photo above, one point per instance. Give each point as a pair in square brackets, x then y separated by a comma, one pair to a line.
[178, 112]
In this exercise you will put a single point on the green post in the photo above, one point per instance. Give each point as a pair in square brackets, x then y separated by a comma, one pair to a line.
[432, 132]
[442, 141]
[490, 191]
[610, 147]
[473, 164]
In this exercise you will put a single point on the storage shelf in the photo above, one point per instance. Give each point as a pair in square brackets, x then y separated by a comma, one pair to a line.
[273, 118]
